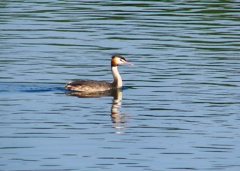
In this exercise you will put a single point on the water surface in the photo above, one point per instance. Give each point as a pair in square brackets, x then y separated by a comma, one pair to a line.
[179, 109]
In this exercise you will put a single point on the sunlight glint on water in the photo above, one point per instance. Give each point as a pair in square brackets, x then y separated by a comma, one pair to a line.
[179, 108]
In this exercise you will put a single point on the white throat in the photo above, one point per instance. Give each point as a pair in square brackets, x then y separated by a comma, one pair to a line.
[117, 83]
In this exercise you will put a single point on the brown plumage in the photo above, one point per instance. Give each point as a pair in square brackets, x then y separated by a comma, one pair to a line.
[94, 85]
[88, 85]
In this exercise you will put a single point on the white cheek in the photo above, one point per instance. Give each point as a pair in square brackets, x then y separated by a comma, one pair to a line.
[120, 61]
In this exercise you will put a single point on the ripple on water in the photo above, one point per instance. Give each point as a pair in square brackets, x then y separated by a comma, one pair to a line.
[178, 110]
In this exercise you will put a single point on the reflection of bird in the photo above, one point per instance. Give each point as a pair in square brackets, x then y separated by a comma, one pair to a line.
[93, 85]
[90, 94]
[116, 115]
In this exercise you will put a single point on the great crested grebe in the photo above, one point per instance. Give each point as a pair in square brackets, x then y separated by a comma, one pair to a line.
[94, 86]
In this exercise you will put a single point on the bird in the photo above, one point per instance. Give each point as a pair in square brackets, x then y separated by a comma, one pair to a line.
[96, 86]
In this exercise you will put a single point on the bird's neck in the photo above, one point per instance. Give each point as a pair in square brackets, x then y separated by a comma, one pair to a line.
[117, 80]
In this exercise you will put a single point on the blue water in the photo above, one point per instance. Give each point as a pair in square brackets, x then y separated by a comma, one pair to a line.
[178, 110]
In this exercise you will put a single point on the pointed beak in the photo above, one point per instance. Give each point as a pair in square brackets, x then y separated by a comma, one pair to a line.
[128, 63]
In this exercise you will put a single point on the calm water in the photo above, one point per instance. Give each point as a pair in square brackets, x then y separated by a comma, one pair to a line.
[179, 109]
